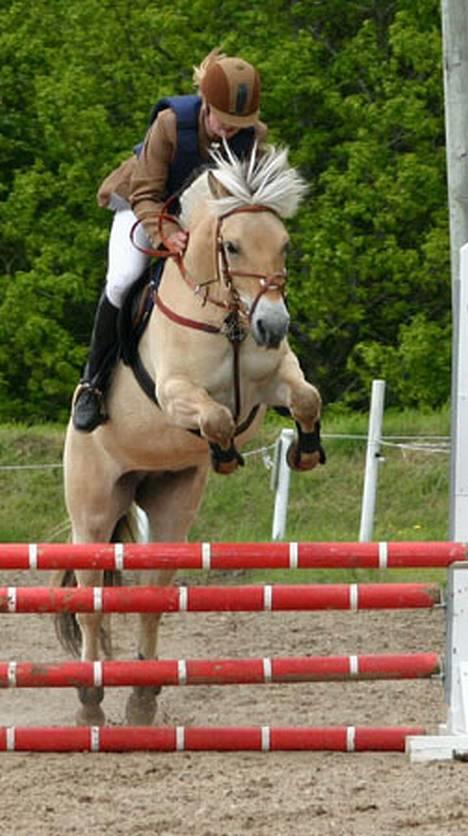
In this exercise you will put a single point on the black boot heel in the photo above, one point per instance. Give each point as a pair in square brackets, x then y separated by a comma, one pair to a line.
[88, 407]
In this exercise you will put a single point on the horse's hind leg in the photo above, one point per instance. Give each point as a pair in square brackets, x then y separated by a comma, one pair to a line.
[171, 501]
[90, 712]
[95, 505]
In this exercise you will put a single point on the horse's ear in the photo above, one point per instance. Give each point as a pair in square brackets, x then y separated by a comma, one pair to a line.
[216, 188]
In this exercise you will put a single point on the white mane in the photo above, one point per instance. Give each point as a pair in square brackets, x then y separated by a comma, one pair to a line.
[264, 179]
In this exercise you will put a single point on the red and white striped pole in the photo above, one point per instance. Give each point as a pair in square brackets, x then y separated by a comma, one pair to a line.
[219, 671]
[220, 599]
[226, 556]
[205, 739]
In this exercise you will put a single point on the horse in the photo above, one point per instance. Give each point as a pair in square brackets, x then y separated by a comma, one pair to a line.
[216, 354]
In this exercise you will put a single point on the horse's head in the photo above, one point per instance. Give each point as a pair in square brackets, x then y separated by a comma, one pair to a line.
[249, 199]
[251, 244]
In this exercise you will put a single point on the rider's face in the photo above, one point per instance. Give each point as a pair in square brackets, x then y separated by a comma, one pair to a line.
[218, 128]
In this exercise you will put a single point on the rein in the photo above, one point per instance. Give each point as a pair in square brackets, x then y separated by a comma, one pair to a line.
[232, 327]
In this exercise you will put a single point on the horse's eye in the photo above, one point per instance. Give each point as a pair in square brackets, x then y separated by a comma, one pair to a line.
[231, 248]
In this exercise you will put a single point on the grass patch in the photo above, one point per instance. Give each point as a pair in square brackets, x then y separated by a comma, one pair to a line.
[32, 507]
[324, 505]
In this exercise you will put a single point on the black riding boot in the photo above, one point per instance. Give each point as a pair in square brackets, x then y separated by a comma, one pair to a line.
[88, 408]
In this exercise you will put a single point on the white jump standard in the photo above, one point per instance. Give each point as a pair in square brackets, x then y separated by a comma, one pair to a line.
[452, 740]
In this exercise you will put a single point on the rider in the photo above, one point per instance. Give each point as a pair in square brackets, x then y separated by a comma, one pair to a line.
[176, 144]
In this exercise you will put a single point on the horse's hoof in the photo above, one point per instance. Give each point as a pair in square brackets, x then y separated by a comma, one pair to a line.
[225, 461]
[90, 715]
[91, 695]
[300, 461]
[140, 711]
[226, 468]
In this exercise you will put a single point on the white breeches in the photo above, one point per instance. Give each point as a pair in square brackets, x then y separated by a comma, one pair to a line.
[126, 263]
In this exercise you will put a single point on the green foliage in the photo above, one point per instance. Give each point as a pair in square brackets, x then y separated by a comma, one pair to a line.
[379, 206]
[418, 367]
[353, 88]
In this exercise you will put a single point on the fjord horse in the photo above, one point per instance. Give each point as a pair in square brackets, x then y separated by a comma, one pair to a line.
[216, 348]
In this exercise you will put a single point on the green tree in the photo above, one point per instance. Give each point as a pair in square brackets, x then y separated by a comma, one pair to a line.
[374, 239]
[353, 87]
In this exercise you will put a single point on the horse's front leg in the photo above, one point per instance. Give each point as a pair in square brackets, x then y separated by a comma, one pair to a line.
[190, 407]
[304, 403]
[90, 712]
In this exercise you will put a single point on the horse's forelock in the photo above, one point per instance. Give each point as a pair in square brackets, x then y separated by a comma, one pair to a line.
[265, 179]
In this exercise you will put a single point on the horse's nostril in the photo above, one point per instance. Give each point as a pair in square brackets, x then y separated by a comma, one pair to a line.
[267, 336]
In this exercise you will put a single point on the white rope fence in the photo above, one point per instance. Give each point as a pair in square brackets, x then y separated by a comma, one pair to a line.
[420, 444]
[30, 466]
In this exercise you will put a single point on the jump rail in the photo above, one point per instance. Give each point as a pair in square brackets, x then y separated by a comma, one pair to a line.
[204, 739]
[225, 556]
[452, 740]
[220, 599]
[219, 671]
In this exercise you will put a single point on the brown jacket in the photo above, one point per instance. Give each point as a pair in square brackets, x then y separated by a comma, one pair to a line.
[142, 181]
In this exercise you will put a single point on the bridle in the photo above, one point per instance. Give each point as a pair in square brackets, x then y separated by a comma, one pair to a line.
[224, 274]
[233, 327]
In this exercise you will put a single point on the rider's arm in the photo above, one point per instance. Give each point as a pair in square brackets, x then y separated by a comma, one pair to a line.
[151, 172]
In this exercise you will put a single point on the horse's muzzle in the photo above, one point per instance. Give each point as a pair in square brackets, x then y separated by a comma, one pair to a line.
[267, 336]
[270, 325]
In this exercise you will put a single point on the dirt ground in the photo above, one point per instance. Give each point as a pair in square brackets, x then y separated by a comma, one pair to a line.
[211, 794]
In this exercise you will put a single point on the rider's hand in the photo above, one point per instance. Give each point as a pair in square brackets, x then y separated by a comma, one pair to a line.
[178, 241]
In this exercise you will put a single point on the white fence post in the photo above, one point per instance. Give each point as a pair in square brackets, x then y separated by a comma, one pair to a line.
[460, 451]
[452, 740]
[280, 483]
[372, 461]
[456, 656]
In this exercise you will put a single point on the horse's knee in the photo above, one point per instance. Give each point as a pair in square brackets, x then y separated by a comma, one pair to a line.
[217, 425]
[306, 404]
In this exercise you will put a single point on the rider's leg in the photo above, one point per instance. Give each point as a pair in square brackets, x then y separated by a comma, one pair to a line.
[88, 408]
[126, 264]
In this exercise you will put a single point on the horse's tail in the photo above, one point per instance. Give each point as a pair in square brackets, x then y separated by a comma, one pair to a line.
[129, 529]
[66, 624]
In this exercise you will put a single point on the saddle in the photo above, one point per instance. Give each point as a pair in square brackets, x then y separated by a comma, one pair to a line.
[133, 320]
